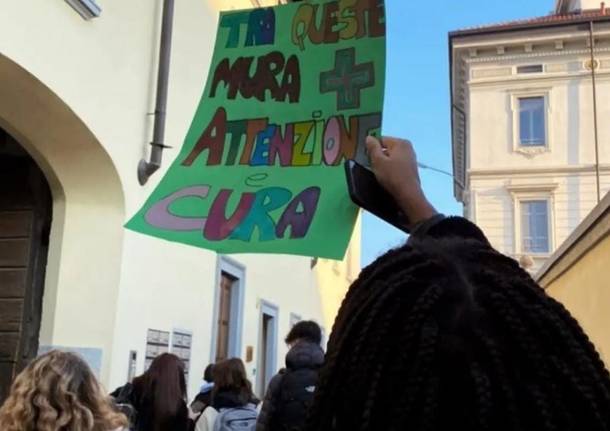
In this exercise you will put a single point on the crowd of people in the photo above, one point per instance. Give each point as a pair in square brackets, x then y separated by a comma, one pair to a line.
[59, 392]
[443, 333]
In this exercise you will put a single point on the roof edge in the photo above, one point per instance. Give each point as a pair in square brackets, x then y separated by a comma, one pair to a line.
[579, 18]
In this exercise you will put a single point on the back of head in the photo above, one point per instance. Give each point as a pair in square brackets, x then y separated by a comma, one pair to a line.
[449, 334]
[230, 376]
[58, 391]
[164, 389]
[306, 330]
[208, 373]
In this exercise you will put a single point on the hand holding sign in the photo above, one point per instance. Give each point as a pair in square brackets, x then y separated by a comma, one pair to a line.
[395, 165]
[293, 92]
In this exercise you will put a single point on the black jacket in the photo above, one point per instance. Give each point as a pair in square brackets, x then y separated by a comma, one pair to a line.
[304, 355]
[133, 395]
[202, 400]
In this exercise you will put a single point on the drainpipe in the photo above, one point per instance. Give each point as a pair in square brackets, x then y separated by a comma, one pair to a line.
[593, 77]
[147, 168]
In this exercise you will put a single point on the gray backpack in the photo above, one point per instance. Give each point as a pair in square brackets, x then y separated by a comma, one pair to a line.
[237, 419]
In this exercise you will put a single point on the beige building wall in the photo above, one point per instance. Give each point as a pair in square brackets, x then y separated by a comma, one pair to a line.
[499, 173]
[78, 96]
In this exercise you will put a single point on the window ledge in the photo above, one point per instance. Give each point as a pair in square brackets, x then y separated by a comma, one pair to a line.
[537, 255]
[531, 152]
[517, 188]
[534, 256]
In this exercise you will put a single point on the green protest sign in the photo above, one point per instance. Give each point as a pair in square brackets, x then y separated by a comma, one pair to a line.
[292, 93]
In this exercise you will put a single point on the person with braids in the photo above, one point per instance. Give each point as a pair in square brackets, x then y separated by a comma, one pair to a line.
[445, 333]
[58, 391]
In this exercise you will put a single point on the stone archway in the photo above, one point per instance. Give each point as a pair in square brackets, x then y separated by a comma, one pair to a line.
[86, 238]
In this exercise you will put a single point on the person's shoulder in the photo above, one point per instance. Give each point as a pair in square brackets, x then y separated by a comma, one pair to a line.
[126, 395]
[184, 408]
[206, 387]
[127, 387]
[277, 379]
[207, 419]
[209, 412]
[275, 384]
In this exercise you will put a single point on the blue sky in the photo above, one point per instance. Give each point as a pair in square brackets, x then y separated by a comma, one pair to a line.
[417, 90]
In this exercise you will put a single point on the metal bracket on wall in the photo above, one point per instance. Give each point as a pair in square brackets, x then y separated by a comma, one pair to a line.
[88, 9]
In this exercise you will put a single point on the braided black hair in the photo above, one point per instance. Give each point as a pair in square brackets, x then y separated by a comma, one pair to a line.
[448, 334]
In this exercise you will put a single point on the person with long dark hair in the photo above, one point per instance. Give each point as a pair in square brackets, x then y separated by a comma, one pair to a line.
[233, 402]
[446, 333]
[158, 396]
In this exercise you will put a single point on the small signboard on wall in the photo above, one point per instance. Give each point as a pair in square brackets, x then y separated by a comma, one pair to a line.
[181, 347]
[157, 342]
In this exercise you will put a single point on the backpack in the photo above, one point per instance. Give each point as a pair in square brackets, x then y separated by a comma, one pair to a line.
[237, 419]
[295, 398]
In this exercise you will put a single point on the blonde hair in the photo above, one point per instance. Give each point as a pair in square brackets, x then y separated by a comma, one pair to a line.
[58, 391]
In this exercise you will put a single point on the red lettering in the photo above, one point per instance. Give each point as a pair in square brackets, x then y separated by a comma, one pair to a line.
[272, 74]
[212, 139]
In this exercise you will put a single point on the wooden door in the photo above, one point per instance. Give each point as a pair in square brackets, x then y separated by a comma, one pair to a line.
[267, 346]
[224, 317]
[25, 218]
[263, 361]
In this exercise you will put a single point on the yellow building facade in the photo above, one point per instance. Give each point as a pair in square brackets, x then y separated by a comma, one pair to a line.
[578, 273]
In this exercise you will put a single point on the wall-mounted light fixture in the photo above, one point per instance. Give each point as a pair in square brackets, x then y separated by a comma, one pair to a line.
[86, 8]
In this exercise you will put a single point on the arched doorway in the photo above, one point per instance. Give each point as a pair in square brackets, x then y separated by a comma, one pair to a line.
[25, 221]
[85, 247]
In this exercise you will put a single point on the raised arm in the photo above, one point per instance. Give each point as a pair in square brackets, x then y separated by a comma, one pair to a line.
[395, 165]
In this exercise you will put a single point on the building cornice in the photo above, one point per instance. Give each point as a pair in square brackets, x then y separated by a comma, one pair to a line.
[534, 54]
[522, 39]
[552, 170]
[531, 187]
[547, 22]
[601, 75]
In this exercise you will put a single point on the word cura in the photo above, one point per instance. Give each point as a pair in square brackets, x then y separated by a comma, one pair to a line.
[236, 77]
[255, 142]
[339, 20]
[253, 213]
